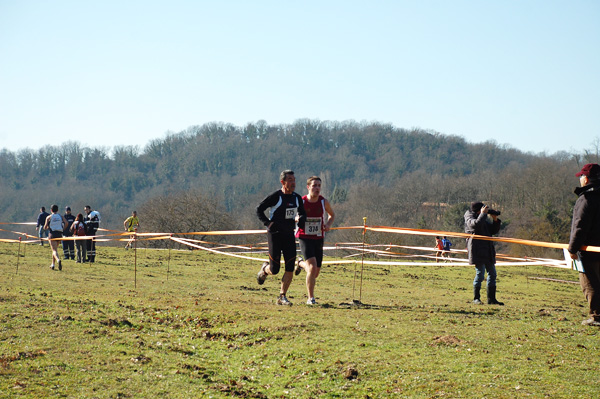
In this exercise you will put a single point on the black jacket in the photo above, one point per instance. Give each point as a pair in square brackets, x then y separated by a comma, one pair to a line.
[585, 229]
[480, 251]
[92, 223]
[41, 220]
[284, 207]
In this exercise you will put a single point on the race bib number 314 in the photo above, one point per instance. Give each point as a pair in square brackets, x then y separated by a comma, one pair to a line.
[312, 226]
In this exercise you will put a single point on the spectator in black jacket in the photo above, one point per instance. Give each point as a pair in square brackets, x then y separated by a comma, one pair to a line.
[68, 245]
[41, 221]
[92, 223]
[482, 253]
[585, 231]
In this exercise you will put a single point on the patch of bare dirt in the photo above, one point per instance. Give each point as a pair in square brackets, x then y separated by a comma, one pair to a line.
[449, 340]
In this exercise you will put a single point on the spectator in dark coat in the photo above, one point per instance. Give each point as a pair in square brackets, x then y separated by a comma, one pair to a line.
[482, 253]
[585, 231]
[41, 221]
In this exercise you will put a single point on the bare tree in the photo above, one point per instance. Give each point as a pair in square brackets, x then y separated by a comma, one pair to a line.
[183, 213]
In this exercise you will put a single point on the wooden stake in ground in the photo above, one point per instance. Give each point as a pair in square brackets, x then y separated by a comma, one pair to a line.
[18, 256]
[169, 259]
[135, 260]
[362, 257]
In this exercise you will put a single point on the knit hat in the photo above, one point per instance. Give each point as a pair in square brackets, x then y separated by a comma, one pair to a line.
[476, 206]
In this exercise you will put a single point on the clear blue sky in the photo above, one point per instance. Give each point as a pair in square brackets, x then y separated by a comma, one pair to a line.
[107, 73]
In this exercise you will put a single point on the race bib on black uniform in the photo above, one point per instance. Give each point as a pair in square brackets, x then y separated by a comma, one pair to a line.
[290, 213]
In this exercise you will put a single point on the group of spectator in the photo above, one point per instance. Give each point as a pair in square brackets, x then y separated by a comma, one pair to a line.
[585, 234]
[55, 226]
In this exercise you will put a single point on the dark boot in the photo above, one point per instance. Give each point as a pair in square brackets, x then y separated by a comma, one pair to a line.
[477, 296]
[491, 293]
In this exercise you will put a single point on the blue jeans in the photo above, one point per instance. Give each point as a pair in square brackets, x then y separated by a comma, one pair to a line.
[480, 275]
[42, 232]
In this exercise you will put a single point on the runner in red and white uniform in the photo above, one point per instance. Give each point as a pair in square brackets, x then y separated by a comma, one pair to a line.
[319, 218]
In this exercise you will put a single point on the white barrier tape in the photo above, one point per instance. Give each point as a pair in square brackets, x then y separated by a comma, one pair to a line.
[184, 241]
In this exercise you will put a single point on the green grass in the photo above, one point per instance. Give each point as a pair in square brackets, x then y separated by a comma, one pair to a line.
[208, 330]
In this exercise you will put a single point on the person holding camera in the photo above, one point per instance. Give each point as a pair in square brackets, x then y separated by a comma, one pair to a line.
[482, 253]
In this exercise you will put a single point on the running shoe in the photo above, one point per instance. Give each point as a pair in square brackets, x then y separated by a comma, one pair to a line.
[591, 322]
[282, 300]
[52, 266]
[262, 276]
[311, 301]
[59, 265]
[298, 268]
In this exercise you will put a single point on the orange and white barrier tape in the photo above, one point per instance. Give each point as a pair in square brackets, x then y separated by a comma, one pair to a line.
[358, 247]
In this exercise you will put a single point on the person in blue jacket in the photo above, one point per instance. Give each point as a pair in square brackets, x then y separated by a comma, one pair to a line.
[446, 244]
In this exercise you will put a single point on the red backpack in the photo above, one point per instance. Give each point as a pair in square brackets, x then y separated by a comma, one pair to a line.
[80, 229]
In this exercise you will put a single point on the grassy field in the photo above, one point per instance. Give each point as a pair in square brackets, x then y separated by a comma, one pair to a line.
[206, 329]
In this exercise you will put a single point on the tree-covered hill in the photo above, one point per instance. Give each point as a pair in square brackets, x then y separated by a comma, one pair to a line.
[368, 169]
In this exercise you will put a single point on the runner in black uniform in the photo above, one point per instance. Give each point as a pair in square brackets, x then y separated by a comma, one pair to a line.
[286, 210]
